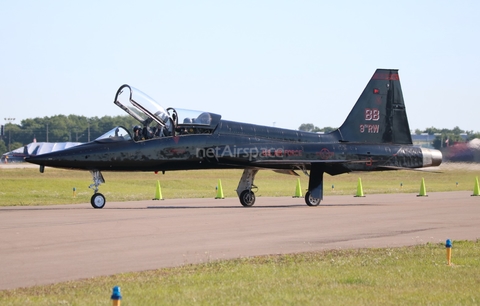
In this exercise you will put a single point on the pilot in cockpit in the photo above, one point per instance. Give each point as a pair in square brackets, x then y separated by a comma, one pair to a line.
[158, 131]
[137, 133]
[147, 133]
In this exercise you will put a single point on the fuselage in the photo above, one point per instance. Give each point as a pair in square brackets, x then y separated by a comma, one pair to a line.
[238, 145]
[375, 136]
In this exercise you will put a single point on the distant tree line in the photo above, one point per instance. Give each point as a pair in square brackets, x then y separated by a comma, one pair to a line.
[59, 128]
[73, 128]
[310, 127]
[443, 137]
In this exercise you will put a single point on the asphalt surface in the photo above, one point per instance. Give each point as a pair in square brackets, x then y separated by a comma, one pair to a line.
[50, 244]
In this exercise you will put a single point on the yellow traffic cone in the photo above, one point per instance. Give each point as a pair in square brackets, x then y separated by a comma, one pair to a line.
[298, 190]
[359, 188]
[158, 192]
[476, 189]
[219, 190]
[423, 190]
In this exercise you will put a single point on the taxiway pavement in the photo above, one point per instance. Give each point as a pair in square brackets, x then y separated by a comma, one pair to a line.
[48, 244]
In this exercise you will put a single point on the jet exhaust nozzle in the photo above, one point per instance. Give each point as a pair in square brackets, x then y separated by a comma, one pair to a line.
[431, 158]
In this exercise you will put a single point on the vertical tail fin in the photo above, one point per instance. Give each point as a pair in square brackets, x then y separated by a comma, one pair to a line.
[379, 115]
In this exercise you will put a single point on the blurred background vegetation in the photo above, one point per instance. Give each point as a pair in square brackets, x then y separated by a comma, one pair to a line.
[59, 128]
[73, 128]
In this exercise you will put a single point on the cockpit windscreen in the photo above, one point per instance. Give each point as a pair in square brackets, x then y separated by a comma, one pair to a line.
[116, 134]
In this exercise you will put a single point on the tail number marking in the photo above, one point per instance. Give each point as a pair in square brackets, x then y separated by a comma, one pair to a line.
[369, 128]
[372, 114]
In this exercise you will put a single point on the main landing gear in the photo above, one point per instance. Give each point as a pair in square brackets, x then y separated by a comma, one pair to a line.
[97, 200]
[312, 198]
[315, 185]
[311, 201]
[245, 186]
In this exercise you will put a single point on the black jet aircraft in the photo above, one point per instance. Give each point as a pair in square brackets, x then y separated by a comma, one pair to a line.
[374, 137]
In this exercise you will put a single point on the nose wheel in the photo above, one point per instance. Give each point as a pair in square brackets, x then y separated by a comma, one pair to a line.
[97, 200]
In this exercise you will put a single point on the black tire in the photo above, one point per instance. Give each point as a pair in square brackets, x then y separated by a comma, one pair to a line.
[97, 201]
[247, 198]
[310, 200]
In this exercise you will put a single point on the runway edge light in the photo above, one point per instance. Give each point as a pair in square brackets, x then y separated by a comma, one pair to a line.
[448, 246]
[116, 296]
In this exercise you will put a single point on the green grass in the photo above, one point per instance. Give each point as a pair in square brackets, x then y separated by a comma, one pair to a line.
[26, 186]
[415, 275]
[400, 276]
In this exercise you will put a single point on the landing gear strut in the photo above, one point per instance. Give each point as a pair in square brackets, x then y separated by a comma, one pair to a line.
[97, 200]
[245, 186]
[315, 186]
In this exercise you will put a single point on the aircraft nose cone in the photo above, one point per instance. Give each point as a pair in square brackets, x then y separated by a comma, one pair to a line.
[43, 160]
[38, 160]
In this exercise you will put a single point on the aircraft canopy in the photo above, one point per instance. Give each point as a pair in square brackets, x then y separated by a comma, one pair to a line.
[143, 108]
[152, 115]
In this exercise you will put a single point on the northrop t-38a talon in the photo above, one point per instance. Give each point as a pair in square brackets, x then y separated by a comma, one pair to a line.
[374, 137]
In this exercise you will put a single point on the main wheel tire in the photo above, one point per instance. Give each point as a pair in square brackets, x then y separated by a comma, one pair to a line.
[311, 201]
[97, 200]
[247, 198]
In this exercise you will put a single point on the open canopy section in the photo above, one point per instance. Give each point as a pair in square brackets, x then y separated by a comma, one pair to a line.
[157, 121]
[140, 106]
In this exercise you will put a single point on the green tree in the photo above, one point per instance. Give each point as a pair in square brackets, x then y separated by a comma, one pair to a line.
[327, 129]
[307, 127]
[3, 147]
[15, 145]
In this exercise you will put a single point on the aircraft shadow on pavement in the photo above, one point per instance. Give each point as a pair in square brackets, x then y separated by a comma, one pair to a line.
[74, 207]
[256, 207]
[222, 207]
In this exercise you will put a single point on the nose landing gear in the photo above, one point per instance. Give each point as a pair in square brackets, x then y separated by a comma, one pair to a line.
[97, 200]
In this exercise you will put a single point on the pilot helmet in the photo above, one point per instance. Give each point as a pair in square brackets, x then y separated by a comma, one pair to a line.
[137, 128]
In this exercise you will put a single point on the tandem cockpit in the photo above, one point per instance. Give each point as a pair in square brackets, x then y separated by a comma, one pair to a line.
[155, 121]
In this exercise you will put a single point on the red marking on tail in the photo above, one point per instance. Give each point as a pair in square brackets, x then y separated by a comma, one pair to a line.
[381, 75]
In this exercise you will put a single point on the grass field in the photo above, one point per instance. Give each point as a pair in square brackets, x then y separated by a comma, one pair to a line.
[395, 276]
[26, 186]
